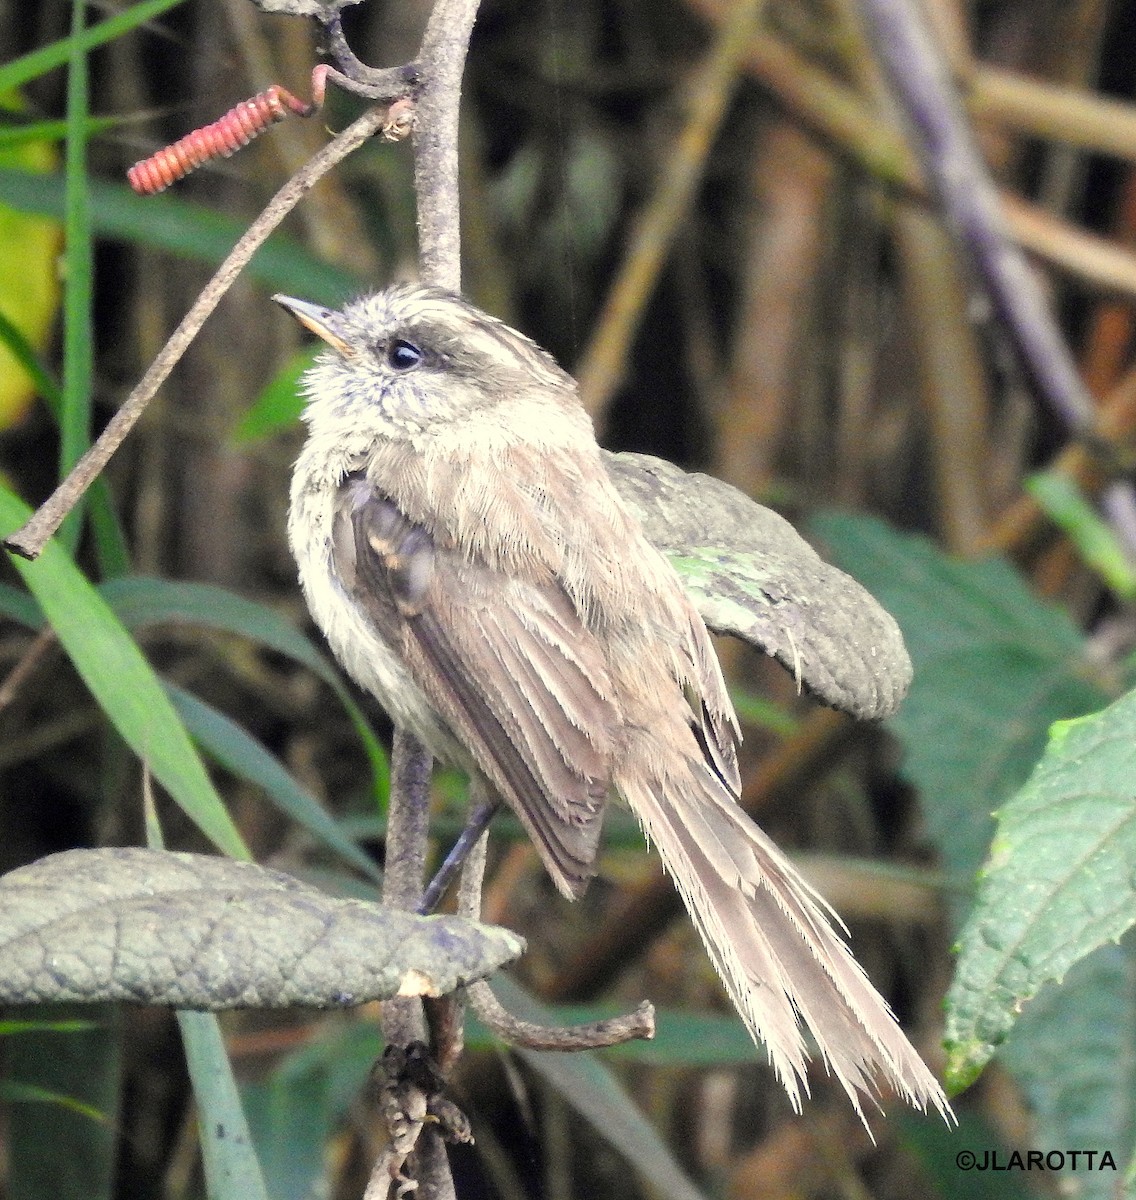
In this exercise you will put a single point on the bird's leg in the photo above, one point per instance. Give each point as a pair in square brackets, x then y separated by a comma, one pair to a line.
[480, 815]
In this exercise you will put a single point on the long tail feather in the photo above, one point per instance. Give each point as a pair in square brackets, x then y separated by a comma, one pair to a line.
[770, 938]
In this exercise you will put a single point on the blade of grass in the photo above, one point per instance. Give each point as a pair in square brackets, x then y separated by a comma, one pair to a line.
[110, 542]
[121, 680]
[139, 601]
[54, 131]
[47, 58]
[232, 1169]
[1069, 509]
[78, 354]
[237, 751]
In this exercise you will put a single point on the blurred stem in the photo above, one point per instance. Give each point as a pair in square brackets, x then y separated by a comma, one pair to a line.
[601, 370]
[926, 93]
[442, 56]
[952, 382]
[1078, 461]
[846, 121]
[78, 356]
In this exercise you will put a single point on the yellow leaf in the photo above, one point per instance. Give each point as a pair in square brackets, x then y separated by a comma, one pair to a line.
[29, 276]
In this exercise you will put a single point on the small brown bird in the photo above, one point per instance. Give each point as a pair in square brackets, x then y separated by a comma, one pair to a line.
[465, 553]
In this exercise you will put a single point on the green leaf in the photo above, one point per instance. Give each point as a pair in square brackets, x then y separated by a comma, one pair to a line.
[295, 1111]
[47, 58]
[994, 668]
[121, 680]
[1066, 505]
[279, 405]
[11, 1028]
[139, 601]
[54, 131]
[237, 751]
[78, 281]
[1060, 882]
[185, 229]
[66, 1088]
[18, 606]
[1073, 1050]
[232, 1170]
[940, 1148]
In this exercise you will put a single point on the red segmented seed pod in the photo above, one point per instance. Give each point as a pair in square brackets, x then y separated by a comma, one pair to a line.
[220, 139]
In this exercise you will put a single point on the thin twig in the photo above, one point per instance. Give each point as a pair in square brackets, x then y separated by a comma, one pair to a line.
[404, 863]
[29, 540]
[593, 1035]
[442, 55]
[29, 660]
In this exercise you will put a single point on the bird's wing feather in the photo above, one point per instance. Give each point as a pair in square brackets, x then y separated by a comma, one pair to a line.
[506, 662]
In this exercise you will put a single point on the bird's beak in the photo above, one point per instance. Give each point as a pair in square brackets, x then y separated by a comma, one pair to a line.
[324, 322]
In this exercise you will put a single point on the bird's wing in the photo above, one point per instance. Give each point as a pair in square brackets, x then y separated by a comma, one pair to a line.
[507, 664]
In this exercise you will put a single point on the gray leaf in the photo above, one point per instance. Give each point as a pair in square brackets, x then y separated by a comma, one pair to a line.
[199, 932]
[751, 574]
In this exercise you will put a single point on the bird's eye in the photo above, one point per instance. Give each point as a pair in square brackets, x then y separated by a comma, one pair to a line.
[403, 355]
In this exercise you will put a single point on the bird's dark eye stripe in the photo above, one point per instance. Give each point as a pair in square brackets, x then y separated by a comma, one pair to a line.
[402, 355]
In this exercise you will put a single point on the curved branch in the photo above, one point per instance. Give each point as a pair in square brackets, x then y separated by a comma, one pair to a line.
[593, 1035]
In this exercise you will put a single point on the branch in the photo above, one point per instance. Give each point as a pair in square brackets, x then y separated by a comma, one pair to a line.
[923, 86]
[29, 541]
[442, 57]
[530, 1036]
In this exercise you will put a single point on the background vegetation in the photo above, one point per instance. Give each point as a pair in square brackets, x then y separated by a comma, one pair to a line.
[805, 329]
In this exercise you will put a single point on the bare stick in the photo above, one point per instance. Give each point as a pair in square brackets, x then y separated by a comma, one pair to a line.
[442, 60]
[29, 540]
[444, 47]
[404, 864]
[530, 1036]
[922, 83]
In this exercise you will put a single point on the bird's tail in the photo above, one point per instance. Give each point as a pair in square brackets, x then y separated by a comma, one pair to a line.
[769, 935]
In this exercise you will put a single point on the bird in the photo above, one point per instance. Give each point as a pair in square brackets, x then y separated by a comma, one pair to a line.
[470, 563]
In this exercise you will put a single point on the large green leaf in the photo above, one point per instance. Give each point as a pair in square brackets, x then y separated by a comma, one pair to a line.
[64, 1091]
[1087, 1098]
[121, 680]
[994, 668]
[209, 933]
[1059, 882]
